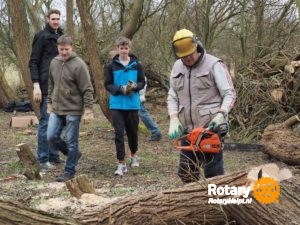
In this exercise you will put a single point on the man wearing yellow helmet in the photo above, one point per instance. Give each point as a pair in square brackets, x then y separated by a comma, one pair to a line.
[201, 94]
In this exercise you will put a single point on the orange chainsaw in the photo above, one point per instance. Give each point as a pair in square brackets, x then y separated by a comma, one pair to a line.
[201, 140]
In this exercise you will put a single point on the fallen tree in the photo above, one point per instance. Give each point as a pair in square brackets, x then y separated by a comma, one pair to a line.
[184, 205]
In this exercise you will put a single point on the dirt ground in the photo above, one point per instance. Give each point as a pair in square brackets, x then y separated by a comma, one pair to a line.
[158, 171]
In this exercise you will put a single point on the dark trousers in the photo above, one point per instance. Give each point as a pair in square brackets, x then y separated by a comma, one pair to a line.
[125, 120]
[193, 165]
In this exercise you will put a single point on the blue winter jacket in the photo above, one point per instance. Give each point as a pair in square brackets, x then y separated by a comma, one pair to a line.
[116, 75]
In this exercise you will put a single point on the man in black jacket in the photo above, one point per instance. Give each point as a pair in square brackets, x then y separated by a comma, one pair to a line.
[44, 49]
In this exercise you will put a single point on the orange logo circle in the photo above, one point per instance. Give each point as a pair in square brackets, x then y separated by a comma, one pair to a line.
[266, 190]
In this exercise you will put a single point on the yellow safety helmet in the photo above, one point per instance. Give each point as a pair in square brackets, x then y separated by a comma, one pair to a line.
[184, 43]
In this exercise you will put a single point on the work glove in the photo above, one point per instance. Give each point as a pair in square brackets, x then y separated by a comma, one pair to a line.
[49, 108]
[37, 93]
[88, 116]
[216, 121]
[142, 98]
[175, 129]
[295, 63]
[289, 68]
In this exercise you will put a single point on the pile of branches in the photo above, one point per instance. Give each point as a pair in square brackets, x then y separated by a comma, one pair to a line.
[266, 94]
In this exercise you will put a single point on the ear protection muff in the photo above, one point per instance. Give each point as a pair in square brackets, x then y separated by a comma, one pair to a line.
[196, 40]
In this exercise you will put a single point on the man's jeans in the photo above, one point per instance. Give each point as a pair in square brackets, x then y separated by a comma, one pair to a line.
[148, 121]
[45, 152]
[70, 146]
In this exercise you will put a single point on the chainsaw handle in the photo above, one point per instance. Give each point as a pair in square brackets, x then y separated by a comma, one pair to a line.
[179, 146]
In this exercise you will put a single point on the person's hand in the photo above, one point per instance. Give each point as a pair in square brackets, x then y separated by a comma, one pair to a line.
[142, 98]
[88, 116]
[123, 89]
[216, 121]
[37, 93]
[130, 87]
[49, 108]
[176, 128]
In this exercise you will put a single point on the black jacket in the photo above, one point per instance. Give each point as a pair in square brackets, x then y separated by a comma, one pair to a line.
[44, 49]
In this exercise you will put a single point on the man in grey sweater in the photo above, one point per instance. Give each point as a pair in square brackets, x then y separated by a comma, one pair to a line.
[70, 95]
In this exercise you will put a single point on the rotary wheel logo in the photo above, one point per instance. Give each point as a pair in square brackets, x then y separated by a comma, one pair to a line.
[266, 190]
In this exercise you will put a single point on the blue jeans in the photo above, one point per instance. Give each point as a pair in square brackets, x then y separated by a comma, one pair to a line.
[148, 121]
[70, 147]
[45, 152]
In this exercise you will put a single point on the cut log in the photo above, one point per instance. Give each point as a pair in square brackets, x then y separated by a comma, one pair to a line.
[12, 213]
[189, 205]
[185, 205]
[282, 142]
[287, 211]
[79, 185]
[29, 162]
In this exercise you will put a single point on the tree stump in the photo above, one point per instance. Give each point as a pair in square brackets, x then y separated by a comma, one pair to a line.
[79, 185]
[282, 142]
[29, 162]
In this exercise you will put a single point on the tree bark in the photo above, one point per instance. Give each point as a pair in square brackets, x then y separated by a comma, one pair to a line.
[20, 28]
[79, 185]
[185, 205]
[132, 25]
[12, 213]
[287, 211]
[281, 141]
[70, 22]
[29, 162]
[95, 64]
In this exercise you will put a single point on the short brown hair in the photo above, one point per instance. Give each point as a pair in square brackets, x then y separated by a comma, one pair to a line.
[53, 11]
[123, 41]
[65, 40]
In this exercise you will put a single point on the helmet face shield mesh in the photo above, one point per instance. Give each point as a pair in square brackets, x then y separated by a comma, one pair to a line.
[184, 47]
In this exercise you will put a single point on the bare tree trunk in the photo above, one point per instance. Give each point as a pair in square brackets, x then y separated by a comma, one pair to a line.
[132, 25]
[96, 66]
[70, 22]
[6, 89]
[20, 29]
[3, 99]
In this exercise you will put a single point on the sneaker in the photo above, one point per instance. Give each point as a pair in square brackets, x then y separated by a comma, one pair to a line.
[121, 169]
[155, 137]
[46, 166]
[64, 177]
[134, 162]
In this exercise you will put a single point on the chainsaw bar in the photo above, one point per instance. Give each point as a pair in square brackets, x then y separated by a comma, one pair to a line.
[244, 147]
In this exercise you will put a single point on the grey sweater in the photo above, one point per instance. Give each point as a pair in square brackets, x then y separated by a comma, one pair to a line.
[70, 89]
